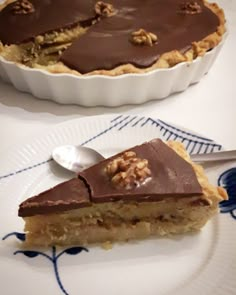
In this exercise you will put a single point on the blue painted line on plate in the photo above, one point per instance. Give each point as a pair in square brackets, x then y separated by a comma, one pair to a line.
[138, 121]
[152, 121]
[25, 169]
[180, 137]
[184, 132]
[175, 137]
[105, 131]
[165, 132]
[183, 139]
[116, 118]
[145, 122]
[193, 148]
[228, 181]
[199, 148]
[206, 148]
[188, 144]
[212, 149]
[127, 123]
[53, 257]
[169, 136]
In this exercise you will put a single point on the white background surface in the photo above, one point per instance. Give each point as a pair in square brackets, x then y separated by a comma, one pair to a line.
[208, 108]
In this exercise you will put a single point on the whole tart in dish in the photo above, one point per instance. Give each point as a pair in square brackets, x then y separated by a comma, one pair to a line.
[149, 190]
[109, 38]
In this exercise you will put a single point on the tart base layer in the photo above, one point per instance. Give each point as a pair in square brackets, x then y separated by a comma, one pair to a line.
[44, 51]
[122, 221]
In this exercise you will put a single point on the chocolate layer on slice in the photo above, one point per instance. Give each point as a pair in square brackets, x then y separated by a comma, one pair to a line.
[65, 196]
[43, 17]
[149, 172]
[162, 173]
[108, 43]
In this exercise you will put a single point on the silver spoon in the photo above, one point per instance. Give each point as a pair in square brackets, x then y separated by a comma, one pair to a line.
[78, 158]
[215, 157]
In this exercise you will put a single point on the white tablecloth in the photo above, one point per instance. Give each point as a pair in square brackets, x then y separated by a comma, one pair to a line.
[208, 108]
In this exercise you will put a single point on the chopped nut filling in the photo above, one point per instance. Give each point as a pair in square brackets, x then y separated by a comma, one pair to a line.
[23, 7]
[128, 171]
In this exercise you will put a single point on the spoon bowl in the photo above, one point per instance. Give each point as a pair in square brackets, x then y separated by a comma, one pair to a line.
[76, 158]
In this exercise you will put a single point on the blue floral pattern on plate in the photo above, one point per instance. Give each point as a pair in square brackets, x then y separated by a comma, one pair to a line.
[228, 181]
[53, 258]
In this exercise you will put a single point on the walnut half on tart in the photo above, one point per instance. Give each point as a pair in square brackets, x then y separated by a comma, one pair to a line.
[149, 190]
[109, 38]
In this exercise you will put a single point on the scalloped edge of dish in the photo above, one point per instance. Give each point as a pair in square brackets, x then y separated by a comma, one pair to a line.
[101, 90]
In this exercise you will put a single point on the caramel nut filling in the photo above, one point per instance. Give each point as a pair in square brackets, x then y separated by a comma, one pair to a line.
[128, 171]
[142, 37]
[23, 7]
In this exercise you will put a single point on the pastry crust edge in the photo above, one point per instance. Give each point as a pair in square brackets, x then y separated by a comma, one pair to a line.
[210, 192]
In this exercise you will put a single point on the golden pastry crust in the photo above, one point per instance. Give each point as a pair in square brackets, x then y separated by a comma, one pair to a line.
[4, 4]
[49, 62]
[210, 192]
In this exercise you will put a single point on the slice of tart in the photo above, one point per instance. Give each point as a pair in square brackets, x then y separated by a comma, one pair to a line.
[149, 190]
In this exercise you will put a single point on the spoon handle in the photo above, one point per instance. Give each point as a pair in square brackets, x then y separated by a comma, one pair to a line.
[217, 156]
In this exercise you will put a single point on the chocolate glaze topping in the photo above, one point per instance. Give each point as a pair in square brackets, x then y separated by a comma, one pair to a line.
[107, 43]
[171, 176]
[65, 196]
[48, 15]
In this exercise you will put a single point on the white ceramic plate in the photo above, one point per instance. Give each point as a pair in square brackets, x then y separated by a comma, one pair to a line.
[108, 91]
[197, 264]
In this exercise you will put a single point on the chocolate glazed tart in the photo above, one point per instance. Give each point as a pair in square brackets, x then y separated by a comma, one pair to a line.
[149, 190]
[112, 38]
